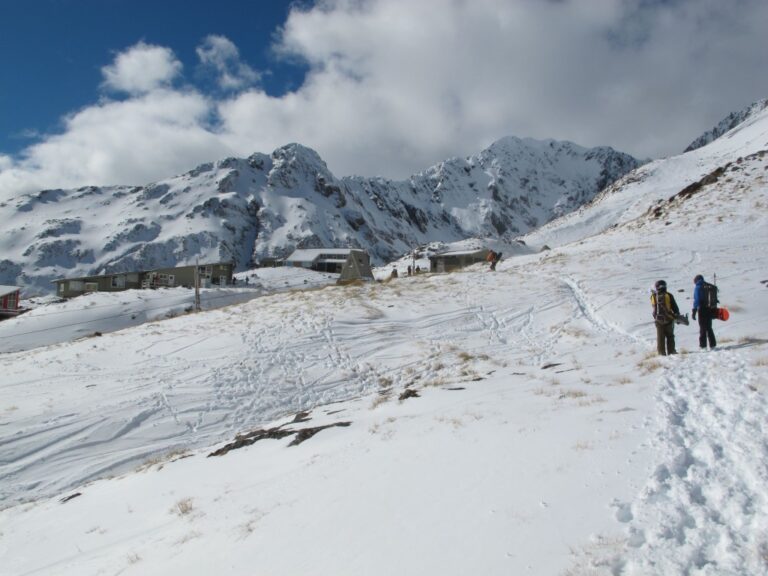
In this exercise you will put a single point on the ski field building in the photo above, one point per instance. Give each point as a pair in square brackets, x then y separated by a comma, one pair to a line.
[218, 274]
[356, 267]
[323, 259]
[9, 301]
[450, 261]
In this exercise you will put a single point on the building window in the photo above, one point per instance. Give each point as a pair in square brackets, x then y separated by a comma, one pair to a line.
[61, 287]
[91, 286]
[76, 285]
[118, 282]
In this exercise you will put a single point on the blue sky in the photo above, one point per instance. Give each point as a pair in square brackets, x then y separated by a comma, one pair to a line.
[52, 51]
[100, 92]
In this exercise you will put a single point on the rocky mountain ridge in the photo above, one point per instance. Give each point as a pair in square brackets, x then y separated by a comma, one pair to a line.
[264, 206]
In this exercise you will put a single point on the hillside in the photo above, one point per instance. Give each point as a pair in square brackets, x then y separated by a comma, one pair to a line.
[492, 423]
[652, 187]
[728, 123]
[266, 205]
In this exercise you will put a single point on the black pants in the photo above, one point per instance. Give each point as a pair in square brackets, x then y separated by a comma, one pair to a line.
[705, 328]
[665, 338]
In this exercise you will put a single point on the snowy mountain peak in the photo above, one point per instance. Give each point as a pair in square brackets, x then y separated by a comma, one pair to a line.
[247, 209]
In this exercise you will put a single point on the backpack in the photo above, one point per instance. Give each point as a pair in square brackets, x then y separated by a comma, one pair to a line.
[708, 296]
[662, 307]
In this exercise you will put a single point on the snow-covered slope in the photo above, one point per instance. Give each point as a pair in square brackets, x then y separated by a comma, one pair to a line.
[546, 437]
[728, 123]
[261, 206]
[636, 195]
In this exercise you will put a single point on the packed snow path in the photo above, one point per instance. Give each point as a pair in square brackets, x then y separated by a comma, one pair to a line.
[705, 508]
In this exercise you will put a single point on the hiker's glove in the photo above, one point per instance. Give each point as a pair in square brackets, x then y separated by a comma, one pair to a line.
[693, 313]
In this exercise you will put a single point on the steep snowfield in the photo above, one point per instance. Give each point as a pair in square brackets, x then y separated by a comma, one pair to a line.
[632, 196]
[266, 205]
[547, 437]
[728, 123]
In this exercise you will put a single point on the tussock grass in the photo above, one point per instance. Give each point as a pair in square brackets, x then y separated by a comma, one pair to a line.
[385, 381]
[379, 400]
[183, 507]
[572, 394]
[435, 382]
[164, 458]
[575, 332]
[467, 356]
[591, 400]
[650, 363]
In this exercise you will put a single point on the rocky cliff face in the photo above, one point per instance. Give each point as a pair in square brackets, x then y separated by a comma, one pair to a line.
[247, 209]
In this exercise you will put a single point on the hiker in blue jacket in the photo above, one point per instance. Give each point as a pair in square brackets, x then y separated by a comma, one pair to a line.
[705, 306]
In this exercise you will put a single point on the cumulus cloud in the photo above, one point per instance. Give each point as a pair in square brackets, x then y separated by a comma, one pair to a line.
[394, 86]
[133, 141]
[220, 55]
[397, 85]
[141, 69]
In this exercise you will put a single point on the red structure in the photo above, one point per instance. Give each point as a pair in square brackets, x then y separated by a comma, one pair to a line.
[9, 301]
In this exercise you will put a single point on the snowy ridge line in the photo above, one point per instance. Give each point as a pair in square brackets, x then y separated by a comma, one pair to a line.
[706, 505]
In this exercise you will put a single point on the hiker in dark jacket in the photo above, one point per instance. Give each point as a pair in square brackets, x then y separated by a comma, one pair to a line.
[705, 306]
[665, 311]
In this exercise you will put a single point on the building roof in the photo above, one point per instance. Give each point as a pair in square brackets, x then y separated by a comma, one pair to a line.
[312, 254]
[460, 253]
[5, 290]
[138, 271]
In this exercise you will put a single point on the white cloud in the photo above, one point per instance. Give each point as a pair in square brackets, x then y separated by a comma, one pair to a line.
[141, 68]
[136, 141]
[395, 86]
[220, 55]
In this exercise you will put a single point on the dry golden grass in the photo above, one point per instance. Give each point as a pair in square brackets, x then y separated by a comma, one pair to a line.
[162, 459]
[183, 507]
[649, 363]
[467, 356]
[571, 394]
[379, 400]
[385, 381]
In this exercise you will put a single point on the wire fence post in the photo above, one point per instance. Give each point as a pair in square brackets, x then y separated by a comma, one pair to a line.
[197, 286]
